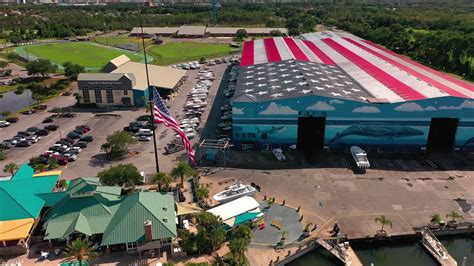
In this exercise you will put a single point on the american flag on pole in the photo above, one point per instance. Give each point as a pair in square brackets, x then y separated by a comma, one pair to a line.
[161, 114]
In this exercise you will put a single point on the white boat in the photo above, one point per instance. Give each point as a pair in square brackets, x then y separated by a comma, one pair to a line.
[360, 157]
[234, 191]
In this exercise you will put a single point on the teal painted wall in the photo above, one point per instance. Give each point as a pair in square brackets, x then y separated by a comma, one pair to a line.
[395, 126]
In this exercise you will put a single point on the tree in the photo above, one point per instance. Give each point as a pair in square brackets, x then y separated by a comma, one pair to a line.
[11, 168]
[123, 175]
[41, 67]
[237, 247]
[80, 250]
[162, 180]
[181, 170]
[383, 221]
[436, 218]
[13, 56]
[3, 64]
[275, 33]
[217, 237]
[2, 155]
[5, 114]
[72, 70]
[40, 167]
[244, 232]
[116, 145]
[202, 192]
[454, 215]
[241, 34]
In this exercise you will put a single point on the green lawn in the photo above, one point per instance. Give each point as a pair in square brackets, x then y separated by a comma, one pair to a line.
[175, 52]
[3, 41]
[119, 40]
[91, 56]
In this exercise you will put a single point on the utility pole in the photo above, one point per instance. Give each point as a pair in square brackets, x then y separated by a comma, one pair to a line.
[150, 97]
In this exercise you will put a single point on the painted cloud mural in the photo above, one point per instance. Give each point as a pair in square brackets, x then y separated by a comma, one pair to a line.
[276, 109]
[409, 107]
[366, 109]
[321, 106]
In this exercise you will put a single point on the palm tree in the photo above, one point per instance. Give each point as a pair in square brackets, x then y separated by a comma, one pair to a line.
[11, 168]
[244, 232]
[162, 180]
[454, 215]
[40, 167]
[383, 221]
[202, 191]
[181, 170]
[217, 236]
[237, 247]
[80, 250]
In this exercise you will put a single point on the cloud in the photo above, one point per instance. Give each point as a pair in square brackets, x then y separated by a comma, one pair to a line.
[276, 109]
[336, 101]
[409, 107]
[237, 111]
[321, 106]
[366, 109]
[467, 104]
[449, 107]
[430, 108]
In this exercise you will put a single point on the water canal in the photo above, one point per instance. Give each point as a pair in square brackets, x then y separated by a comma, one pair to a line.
[408, 254]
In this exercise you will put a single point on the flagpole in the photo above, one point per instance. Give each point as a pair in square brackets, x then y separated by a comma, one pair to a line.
[150, 97]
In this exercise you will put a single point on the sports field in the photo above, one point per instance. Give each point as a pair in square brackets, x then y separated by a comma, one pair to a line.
[121, 40]
[91, 56]
[175, 52]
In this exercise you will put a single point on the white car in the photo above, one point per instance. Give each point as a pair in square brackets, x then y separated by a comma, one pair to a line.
[189, 135]
[70, 156]
[279, 154]
[33, 139]
[143, 138]
[4, 123]
[60, 145]
[78, 149]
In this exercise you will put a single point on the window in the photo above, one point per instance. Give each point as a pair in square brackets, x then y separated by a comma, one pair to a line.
[98, 96]
[125, 92]
[110, 96]
[263, 135]
[86, 96]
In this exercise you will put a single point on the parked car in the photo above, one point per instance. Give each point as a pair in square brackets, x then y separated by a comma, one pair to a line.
[144, 118]
[33, 139]
[73, 135]
[86, 139]
[84, 128]
[6, 145]
[51, 127]
[4, 123]
[131, 129]
[48, 120]
[28, 112]
[12, 119]
[71, 157]
[42, 132]
[23, 143]
[80, 144]
[32, 129]
[143, 138]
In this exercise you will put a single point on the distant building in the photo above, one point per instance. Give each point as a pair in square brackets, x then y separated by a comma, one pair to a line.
[191, 31]
[125, 83]
[151, 32]
[22, 204]
[231, 32]
[136, 222]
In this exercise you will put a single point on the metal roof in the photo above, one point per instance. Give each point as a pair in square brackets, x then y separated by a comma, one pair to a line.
[192, 30]
[155, 30]
[19, 194]
[233, 30]
[160, 76]
[15, 229]
[381, 72]
[93, 209]
[233, 208]
[102, 76]
[290, 79]
[127, 224]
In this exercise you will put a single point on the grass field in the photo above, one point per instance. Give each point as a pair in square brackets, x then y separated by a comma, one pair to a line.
[89, 55]
[120, 40]
[175, 52]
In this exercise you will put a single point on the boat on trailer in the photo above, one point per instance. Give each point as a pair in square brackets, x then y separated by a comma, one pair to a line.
[234, 191]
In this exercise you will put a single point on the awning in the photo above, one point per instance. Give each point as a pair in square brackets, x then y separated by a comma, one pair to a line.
[187, 208]
[244, 217]
[15, 229]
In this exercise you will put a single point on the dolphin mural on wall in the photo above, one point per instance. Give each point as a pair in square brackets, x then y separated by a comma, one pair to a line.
[273, 131]
[378, 130]
[468, 142]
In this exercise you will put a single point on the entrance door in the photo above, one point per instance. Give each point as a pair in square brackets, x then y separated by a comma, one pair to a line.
[311, 136]
[442, 134]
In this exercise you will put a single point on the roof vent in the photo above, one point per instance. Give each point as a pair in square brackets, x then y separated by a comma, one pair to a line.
[165, 219]
[165, 208]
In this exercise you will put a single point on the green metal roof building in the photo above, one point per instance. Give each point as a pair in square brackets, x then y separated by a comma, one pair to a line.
[88, 208]
[19, 195]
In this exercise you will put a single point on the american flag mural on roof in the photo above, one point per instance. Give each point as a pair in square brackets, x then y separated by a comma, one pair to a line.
[162, 115]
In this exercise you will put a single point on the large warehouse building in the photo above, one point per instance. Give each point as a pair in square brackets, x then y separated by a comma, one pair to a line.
[333, 90]
[125, 83]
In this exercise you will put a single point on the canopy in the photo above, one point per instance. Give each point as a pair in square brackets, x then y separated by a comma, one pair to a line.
[15, 229]
[187, 208]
